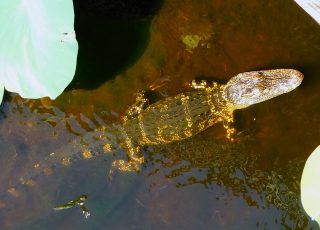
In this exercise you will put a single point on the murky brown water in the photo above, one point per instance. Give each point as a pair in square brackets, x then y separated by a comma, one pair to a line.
[204, 182]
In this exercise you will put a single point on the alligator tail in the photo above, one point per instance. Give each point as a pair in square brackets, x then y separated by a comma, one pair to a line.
[91, 145]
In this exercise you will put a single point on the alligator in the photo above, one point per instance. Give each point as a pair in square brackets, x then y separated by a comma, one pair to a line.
[187, 114]
[168, 120]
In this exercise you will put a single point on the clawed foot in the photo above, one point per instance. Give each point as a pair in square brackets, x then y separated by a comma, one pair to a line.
[135, 109]
[228, 126]
[198, 85]
[202, 85]
[230, 133]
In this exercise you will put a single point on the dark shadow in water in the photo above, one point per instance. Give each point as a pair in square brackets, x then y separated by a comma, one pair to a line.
[112, 35]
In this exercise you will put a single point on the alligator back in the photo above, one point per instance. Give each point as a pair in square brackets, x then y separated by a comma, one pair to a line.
[176, 118]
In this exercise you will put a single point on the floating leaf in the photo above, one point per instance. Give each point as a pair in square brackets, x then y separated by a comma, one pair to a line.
[38, 48]
[310, 185]
[312, 7]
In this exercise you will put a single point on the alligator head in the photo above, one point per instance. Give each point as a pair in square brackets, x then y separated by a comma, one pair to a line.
[250, 88]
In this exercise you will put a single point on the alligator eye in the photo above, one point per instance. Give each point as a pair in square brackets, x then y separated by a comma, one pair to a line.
[247, 91]
[252, 92]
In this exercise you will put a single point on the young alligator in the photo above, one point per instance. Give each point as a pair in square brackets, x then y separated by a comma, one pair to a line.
[171, 119]
[186, 114]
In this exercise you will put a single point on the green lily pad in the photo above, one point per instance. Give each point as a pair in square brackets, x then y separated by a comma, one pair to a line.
[38, 48]
[310, 185]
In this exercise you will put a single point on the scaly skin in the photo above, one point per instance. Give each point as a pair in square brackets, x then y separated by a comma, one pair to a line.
[184, 115]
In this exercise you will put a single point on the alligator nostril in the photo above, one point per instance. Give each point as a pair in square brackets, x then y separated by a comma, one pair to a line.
[296, 78]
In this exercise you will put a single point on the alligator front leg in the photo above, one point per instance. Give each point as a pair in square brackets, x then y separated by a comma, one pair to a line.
[135, 109]
[133, 151]
[133, 164]
[226, 115]
[135, 159]
[198, 85]
[202, 85]
[228, 126]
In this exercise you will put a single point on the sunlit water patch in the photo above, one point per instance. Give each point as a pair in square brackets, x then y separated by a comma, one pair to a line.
[237, 189]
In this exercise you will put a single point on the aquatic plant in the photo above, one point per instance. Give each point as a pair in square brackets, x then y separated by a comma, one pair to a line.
[310, 186]
[38, 48]
[312, 7]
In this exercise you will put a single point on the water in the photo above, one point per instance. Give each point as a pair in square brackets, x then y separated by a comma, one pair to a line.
[204, 182]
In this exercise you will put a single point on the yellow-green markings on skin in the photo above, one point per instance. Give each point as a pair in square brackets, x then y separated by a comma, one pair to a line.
[128, 142]
[209, 99]
[159, 134]
[185, 101]
[132, 152]
[145, 139]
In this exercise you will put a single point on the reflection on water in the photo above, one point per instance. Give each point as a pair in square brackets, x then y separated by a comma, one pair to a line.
[235, 167]
[202, 183]
[41, 149]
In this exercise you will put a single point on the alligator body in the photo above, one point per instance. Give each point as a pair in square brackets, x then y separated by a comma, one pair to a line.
[171, 119]
[184, 115]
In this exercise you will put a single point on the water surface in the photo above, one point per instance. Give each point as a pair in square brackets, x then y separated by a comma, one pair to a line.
[204, 182]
